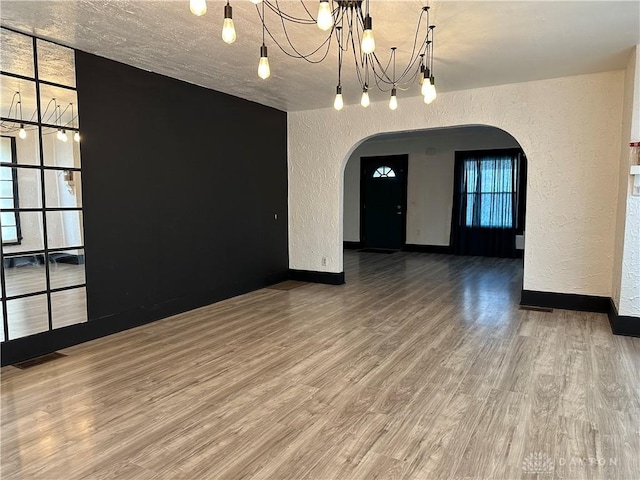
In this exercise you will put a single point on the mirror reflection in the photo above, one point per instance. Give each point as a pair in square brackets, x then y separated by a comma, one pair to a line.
[20, 188]
[66, 268]
[24, 274]
[27, 316]
[69, 307]
[62, 187]
[17, 53]
[41, 220]
[27, 145]
[64, 229]
[18, 99]
[25, 236]
[58, 152]
[56, 64]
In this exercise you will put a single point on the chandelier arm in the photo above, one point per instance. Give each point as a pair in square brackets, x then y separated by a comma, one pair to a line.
[382, 76]
[415, 43]
[19, 105]
[53, 100]
[411, 69]
[308, 12]
[301, 56]
[359, 67]
[340, 53]
[408, 85]
[60, 114]
[297, 54]
[341, 44]
[281, 13]
[13, 99]
[377, 79]
[432, 45]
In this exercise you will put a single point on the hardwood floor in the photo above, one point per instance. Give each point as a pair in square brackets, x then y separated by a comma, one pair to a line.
[420, 367]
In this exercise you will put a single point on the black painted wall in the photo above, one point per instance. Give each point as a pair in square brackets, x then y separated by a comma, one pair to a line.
[181, 186]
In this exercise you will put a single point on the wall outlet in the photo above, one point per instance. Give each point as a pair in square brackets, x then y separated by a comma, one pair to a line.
[324, 261]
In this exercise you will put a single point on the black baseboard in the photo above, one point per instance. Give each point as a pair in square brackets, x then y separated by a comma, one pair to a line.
[620, 324]
[329, 278]
[351, 245]
[411, 247]
[21, 349]
[623, 324]
[566, 301]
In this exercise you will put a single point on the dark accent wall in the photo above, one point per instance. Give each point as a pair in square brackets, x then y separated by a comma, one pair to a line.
[181, 186]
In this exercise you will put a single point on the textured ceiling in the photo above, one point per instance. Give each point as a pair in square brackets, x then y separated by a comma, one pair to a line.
[478, 43]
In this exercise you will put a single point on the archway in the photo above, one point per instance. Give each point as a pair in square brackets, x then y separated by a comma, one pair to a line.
[430, 188]
[569, 221]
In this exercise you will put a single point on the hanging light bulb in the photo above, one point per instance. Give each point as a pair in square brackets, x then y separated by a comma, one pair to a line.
[63, 136]
[429, 90]
[393, 101]
[264, 71]
[426, 83]
[338, 103]
[198, 7]
[76, 137]
[368, 44]
[364, 100]
[22, 133]
[228, 30]
[256, 2]
[325, 16]
[59, 135]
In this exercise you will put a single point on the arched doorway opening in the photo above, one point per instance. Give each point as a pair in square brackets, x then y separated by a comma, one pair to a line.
[455, 190]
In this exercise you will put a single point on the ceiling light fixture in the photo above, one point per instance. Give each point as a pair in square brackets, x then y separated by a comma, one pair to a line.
[198, 7]
[228, 30]
[393, 101]
[61, 134]
[22, 133]
[364, 100]
[350, 24]
[264, 70]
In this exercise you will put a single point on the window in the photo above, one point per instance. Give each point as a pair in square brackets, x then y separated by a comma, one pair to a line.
[9, 194]
[490, 187]
[384, 172]
[488, 202]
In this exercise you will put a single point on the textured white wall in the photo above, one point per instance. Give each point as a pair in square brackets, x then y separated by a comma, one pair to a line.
[626, 265]
[568, 127]
[430, 177]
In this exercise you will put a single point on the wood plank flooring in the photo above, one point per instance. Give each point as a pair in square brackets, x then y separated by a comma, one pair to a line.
[420, 367]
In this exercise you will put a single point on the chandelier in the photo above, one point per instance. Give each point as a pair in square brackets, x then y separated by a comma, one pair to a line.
[349, 24]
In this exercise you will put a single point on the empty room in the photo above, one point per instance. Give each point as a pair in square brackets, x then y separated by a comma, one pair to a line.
[320, 239]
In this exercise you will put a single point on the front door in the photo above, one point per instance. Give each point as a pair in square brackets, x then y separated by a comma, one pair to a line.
[383, 201]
